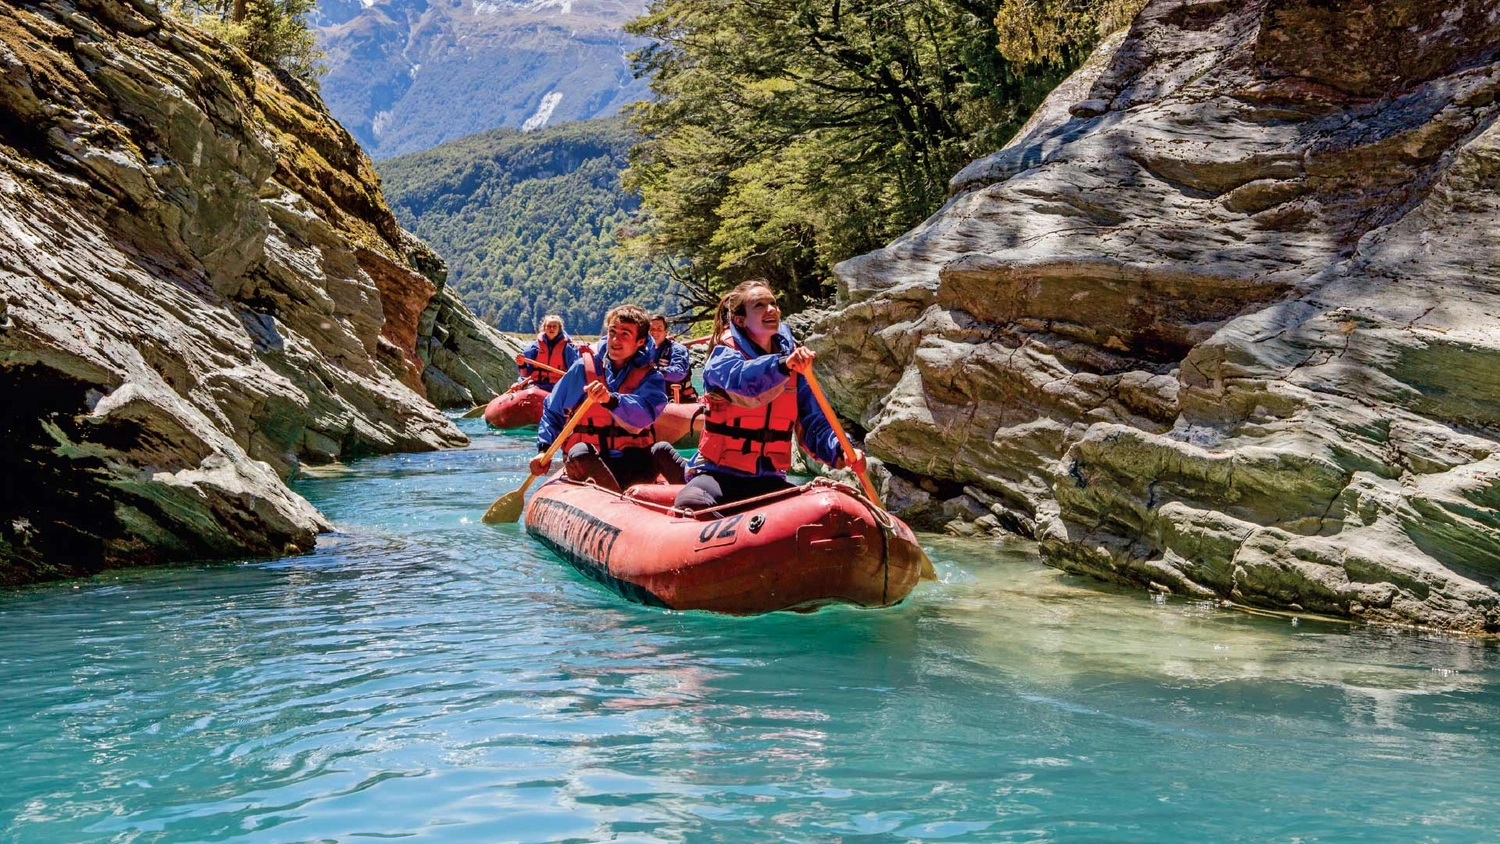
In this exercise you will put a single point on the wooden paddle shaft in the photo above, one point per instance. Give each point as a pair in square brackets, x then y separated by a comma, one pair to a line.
[507, 508]
[928, 572]
[544, 367]
[583, 407]
[562, 437]
[838, 430]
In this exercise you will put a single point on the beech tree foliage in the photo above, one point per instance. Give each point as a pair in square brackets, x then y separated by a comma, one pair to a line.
[787, 135]
[1037, 32]
[273, 32]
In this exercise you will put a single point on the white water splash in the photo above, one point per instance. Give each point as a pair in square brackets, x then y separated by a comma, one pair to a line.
[543, 112]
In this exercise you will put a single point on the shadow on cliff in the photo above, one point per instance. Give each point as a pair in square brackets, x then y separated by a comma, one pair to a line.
[56, 508]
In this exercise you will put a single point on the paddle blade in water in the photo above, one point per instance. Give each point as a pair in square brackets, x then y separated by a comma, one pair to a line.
[928, 572]
[506, 509]
[477, 412]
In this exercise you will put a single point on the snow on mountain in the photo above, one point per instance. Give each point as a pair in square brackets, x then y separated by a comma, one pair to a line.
[484, 64]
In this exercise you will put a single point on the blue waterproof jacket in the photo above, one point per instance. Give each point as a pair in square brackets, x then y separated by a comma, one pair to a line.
[636, 410]
[672, 361]
[747, 380]
[534, 352]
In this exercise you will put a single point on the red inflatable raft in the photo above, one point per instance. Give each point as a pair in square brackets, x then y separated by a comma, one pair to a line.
[680, 424]
[815, 544]
[515, 410]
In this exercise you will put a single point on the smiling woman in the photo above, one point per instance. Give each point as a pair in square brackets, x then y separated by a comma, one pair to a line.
[758, 396]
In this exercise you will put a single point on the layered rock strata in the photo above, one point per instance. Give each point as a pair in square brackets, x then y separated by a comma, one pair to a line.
[1222, 320]
[202, 286]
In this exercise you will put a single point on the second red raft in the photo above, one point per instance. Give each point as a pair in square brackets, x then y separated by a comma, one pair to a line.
[515, 410]
[679, 424]
[814, 544]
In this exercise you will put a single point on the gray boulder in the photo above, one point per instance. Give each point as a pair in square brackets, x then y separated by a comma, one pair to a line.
[200, 288]
[1221, 320]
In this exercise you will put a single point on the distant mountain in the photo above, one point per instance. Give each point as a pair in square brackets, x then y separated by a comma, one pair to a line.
[527, 222]
[407, 75]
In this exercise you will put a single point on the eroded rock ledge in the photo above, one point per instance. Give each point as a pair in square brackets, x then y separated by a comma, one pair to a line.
[1222, 320]
[200, 286]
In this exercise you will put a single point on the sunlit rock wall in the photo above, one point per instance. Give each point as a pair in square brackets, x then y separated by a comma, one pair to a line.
[200, 286]
[1222, 320]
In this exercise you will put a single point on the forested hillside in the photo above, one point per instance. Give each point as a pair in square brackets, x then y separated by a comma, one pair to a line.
[527, 222]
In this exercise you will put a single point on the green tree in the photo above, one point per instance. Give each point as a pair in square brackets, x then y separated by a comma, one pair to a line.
[272, 32]
[1034, 32]
[787, 135]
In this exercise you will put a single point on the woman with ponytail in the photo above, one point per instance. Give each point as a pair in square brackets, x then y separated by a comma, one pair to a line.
[757, 399]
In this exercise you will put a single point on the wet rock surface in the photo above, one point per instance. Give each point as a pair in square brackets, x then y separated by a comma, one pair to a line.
[1222, 320]
[202, 287]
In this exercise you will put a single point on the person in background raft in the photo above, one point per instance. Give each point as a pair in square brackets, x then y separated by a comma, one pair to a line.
[756, 400]
[673, 363]
[614, 444]
[553, 347]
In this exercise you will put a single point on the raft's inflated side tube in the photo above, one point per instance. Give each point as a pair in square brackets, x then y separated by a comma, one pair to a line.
[817, 544]
[680, 424]
[515, 410]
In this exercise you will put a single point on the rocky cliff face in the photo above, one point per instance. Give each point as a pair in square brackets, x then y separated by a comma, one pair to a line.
[1222, 320]
[407, 75]
[201, 287]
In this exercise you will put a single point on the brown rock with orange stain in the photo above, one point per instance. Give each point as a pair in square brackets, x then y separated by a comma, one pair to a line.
[404, 295]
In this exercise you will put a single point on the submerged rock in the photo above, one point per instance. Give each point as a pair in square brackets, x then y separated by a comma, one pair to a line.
[1222, 320]
[201, 288]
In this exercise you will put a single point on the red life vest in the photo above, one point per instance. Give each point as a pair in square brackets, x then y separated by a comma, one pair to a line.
[598, 426]
[677, 391]
[552, 357]
[737, 437]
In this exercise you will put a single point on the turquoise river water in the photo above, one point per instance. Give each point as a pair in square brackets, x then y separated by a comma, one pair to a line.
[424, 676]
